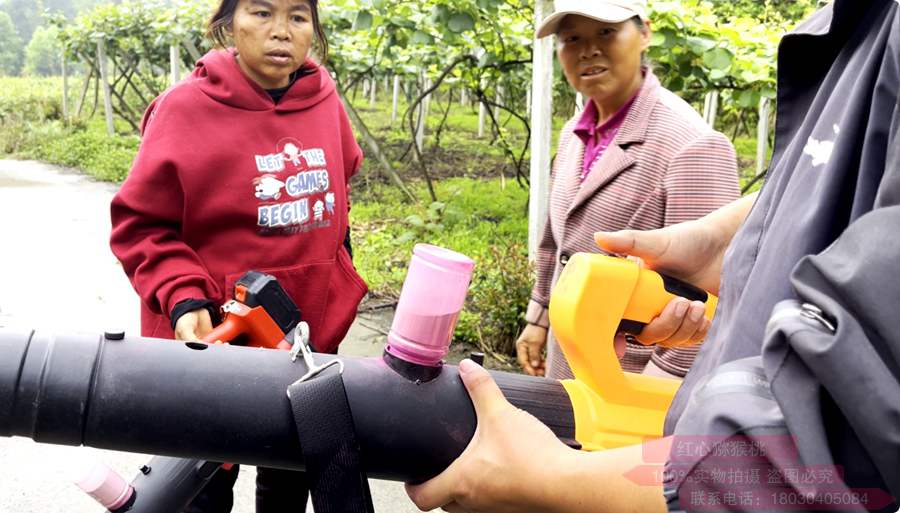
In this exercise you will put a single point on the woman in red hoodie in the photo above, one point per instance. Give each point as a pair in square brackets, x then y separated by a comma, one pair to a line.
[244, 165]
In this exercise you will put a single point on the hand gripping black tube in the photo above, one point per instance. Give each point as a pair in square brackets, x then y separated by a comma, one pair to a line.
[227, 403]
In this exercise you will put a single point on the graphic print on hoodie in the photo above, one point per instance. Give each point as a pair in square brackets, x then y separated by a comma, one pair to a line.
[295, 173]
[226, 181]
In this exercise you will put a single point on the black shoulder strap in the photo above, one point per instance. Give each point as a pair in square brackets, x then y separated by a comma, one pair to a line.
[338, 483]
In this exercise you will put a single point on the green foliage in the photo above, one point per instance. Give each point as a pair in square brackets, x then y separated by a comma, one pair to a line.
[488, 212]
[31, 127]
[43, 54]
[483, 46]
[490, 226]
[25, 15]
[694, 51]
[10, 47]
[87, 148]
[438, 217]
[137, 30]
[136, 36]
[498, 296]
[90, 149]
[24, 105]
[766, 11]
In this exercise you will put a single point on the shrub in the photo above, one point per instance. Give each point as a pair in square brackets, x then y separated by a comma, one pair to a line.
[480, 218]
[42, 55]
[495, 310]
[87, 148]
[24, 104]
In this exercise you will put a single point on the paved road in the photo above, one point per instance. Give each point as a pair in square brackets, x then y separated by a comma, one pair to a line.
[57, 273]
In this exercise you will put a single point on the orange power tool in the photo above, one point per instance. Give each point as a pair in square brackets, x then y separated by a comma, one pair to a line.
[260, 315]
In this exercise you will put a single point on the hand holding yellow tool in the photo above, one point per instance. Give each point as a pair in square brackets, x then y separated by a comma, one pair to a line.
[596, 297]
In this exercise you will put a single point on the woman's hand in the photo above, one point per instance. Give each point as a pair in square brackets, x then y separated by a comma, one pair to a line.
[193, 326]
[684, 251]
[691, 251]
[506, 466]
[530, 349]
[514, 463]
[681, 323]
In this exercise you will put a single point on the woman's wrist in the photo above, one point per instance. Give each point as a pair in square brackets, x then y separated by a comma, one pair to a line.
[550, 489]
[537, 314]
[609, 483]
[727, 220]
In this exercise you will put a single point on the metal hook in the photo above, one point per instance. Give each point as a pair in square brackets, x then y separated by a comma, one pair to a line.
[301, 347]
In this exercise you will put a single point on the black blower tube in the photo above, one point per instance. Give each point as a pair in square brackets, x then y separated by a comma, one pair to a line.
[229, 403]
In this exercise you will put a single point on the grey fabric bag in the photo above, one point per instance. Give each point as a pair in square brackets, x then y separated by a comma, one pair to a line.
[828, 380]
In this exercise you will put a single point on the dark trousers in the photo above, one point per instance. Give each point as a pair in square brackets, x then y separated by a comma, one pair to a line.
[277, 491]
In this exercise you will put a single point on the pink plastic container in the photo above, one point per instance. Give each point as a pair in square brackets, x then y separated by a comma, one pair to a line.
[103, 484]
[433, 294]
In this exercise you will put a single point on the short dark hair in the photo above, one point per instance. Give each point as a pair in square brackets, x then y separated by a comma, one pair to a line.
[645, 61]
[220, 23]
[639, 22]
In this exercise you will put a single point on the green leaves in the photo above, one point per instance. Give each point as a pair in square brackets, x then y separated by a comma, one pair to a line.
[717, 59]
[142, 30]
[363, 21]
[694, 50]
[437, 218]
[461, 22]
[421, 38]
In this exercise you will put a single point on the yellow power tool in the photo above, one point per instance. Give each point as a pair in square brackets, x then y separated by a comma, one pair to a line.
[596, 297]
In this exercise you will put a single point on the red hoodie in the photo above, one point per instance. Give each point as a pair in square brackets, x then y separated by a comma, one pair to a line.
[226, 181]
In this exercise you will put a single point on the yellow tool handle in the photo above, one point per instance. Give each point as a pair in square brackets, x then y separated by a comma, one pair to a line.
[652, 292]
[596, 297]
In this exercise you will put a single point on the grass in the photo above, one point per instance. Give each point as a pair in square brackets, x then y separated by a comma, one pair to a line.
[86, 147]
[476, 214]
[746, 151]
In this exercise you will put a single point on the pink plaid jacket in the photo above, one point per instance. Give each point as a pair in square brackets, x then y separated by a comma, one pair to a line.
[665, 166]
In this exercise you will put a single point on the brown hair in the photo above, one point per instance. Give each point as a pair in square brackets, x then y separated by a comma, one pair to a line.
[220, 24]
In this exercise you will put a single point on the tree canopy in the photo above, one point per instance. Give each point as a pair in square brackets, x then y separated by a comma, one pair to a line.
[10, 46]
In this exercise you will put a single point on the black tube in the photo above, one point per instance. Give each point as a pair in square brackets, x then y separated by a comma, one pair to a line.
[228, 403]
[168, 485]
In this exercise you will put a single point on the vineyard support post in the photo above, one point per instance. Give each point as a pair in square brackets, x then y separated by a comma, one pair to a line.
[65, 96]
[711, 108]
[424, 107]
[104, 81]
[482, 113]
[762, 136]
[541, 131]
[396, 102]
[174, 64]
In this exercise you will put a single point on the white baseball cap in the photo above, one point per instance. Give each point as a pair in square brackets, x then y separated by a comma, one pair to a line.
[609, 11]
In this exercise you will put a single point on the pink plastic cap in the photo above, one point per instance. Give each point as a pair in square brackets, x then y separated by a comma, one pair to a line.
[433, 295]
[103, 484]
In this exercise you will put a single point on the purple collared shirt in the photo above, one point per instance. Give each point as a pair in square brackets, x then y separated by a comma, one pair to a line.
[597, 138]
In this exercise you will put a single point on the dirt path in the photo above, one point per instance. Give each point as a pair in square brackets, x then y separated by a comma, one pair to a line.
[58, 274]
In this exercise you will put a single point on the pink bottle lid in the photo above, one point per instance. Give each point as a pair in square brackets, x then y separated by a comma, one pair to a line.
[103, 484]
[433, 295]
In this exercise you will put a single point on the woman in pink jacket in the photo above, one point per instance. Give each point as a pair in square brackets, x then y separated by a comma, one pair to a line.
[638, 157]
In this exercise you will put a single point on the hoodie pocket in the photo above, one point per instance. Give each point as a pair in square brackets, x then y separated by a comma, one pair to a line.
[306, 285]
[345, 292]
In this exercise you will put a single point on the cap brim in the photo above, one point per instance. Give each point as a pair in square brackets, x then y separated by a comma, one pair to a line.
[606, 14]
